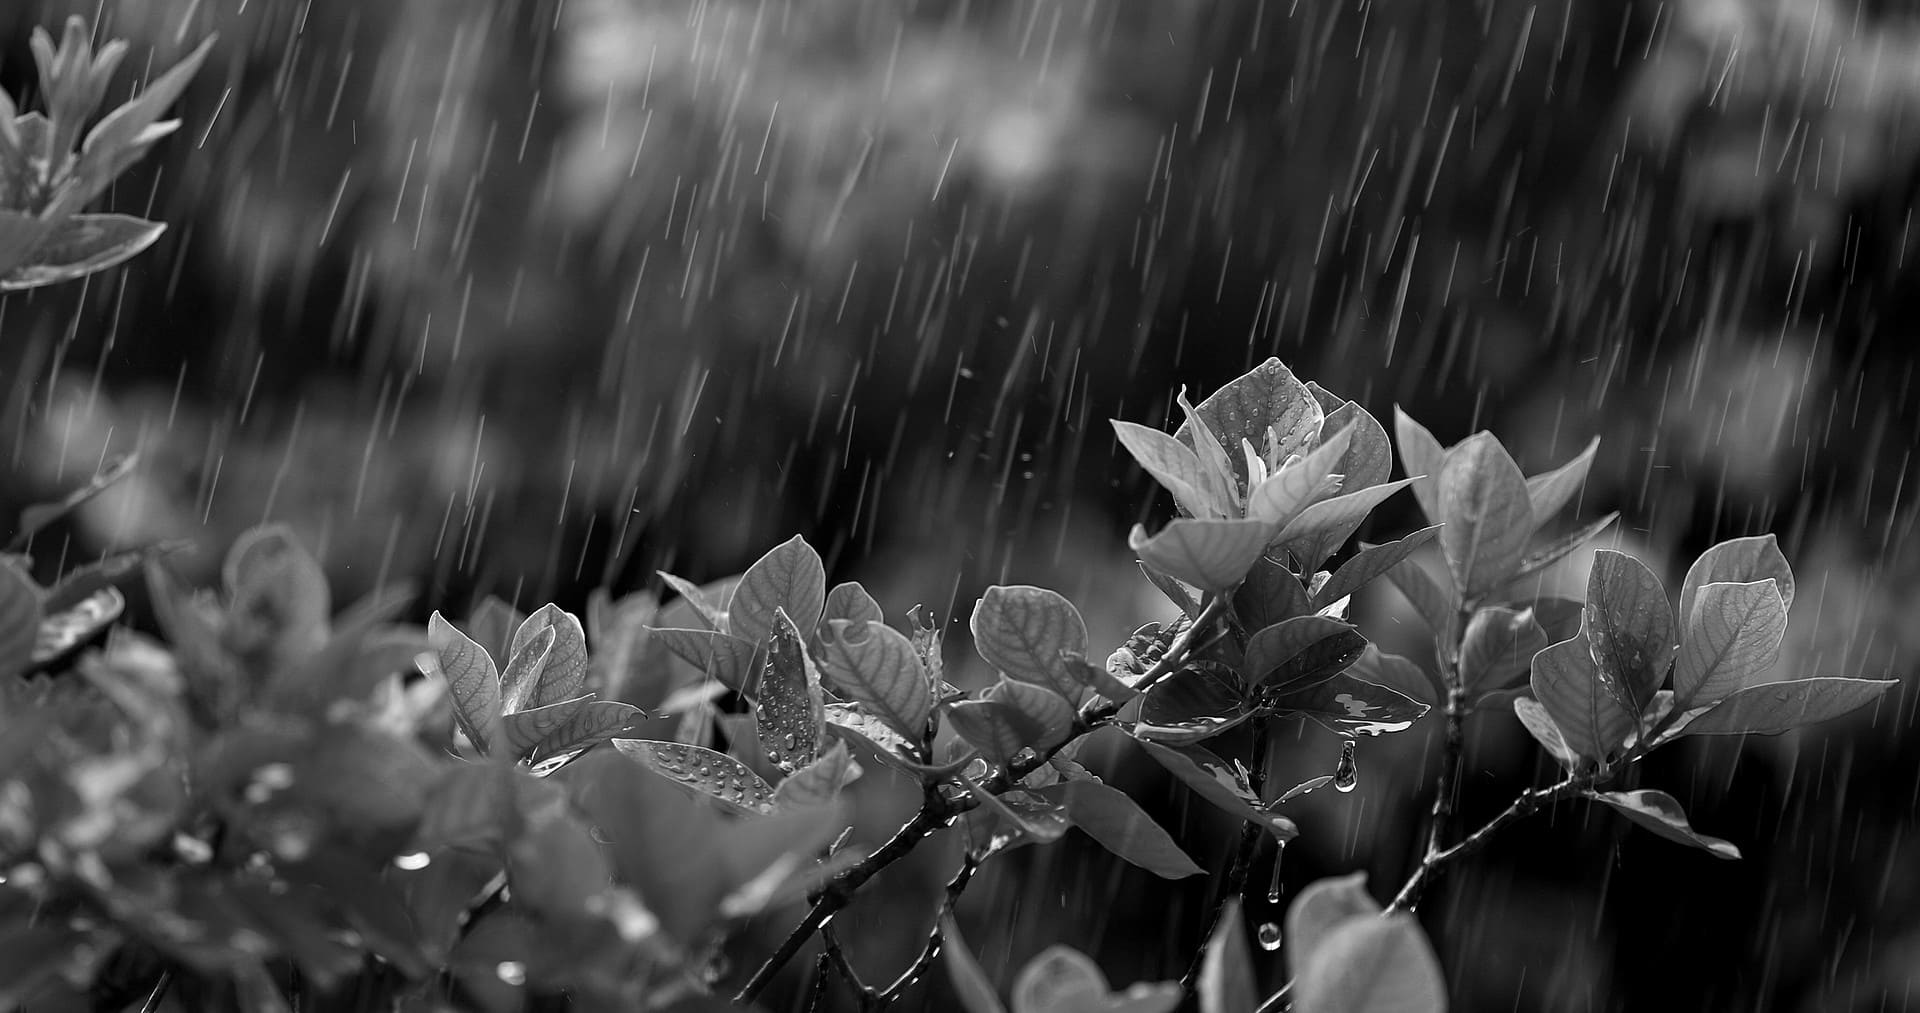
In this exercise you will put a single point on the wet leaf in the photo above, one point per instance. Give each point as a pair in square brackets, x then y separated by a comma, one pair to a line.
[1369, 457]
[1567, 683]
[1738, 561]
[703, 773]
[850, 601]
[1498, 649]
[1116, 821]
[1433, 597]
[1270, 594]
[470, 676]
[789, 708]
[1011, 820]
[1320, 530]
[1210, 777]
[1301, 484]
[995, 728]
[1212, 555]
[1041, 707]
[1421, 457]
[1488, 516]
[1369, 563]
[1301, 652]
[1021, 631]
[789, 577]
[1352, 706]
[1775, 707]
[1190, 705]
[1265, 397]
[970, 983]
[1096, 678]
[554, 728]
[1398, 674]
[708, 603]
[1226, 969]
[1372, 965]
[818, 783]
[1175, 466]
[874, 665]
[1325, 905]
[522, 674]
[1547, 493]
[563, 675]
[1730, 640]
[728, 659]
[124, 134]
[1538, 723]
[853, 724]
[1630, 626]
[63, 631]
[1661, 813]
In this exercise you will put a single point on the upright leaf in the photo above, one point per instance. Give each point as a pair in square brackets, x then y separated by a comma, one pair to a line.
[1059, 979]
[1212, 555]
[1021, 631]
[1421, 456]
[492, 626]
[996, 728]
[1370, 562]
[1484, 504]
[789, 711]
[471, 678]
[1547, 493]
[1568, 685]
[1226, 969]
[563, 675]
[1499, 648]
[708, 603]
[790, 577]
[1175, 466]
[1630, 626]
[1661, 813]
[1300, 484]
[1373, 965]
[1369, 457]
[1301, 652]
[1111, 817]
[874, 665]
[849, 601]
[1774, 707]
[1540, 724]
[1267, 397]
[522, 675]
[1731, 639]
[1738, 561]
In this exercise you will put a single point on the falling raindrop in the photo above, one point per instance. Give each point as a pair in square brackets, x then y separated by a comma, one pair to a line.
[512, 972]
[1346, 776]
[1273, 885]
[413, 862]
[1269, 936]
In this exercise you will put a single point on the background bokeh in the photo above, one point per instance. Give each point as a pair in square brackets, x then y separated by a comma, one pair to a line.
[531, 297]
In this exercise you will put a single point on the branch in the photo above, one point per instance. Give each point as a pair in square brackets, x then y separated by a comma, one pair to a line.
[1250, 834]
[969, 865]
[1527, 804]
[1452, 757]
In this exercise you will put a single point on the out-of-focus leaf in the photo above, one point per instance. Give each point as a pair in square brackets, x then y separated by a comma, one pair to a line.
[63, 631]
[1190, 705]
[1731, 639]
[35, 518]
[726, 658]
[1661, 813]
[470, 675]
[31, 956]
[788, 709]
[125, 134]
[1212, 555]
[1372, 965]
[1114, 819]
[1301, 652]
[1061, 979]
[1774, 707]
[492, 626]
[470, 805]
[563, 674]
[280, 608]
[1021, 631]
[1226, 969]
[1421, 457]
[789, 577]
[1486, 511]
[1436, 599]
[970, 983]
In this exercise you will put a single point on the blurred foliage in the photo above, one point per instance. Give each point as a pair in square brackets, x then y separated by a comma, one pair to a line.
[530, 296]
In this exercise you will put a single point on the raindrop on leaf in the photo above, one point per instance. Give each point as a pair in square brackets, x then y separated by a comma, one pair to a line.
[512, 972]
[413, 862]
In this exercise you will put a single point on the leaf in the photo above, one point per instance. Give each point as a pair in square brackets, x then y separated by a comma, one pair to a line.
[1016, 818]
[1555, 551]
[1731, 638]
[970, 983]
[1190, 705]
[1210, 777]
[850, 601]
[789, 577]
[1175, 466]
[1774, 707]
[587, 724]
[1352, 706]
[1499, 648]
[1661, 813]
[1178, 593]
[1433, 597]
[563, 675]
[1369, 563]
[1212, 555]
[1320, 530]
[1117, 822]
[1630, 626]
[1307, 786]
[35, 518]
[1265, 397]
[1547, 493]
[522, 674]
[728, 659]
[995, 728]
[471, 678]
[818, 783]
[789, 710]
[1270, 594]
[1568, 685]
[1534, 717]
[1021, 631]
[854, 726]
[1369, 458]
[708, 603]
[703, 773]
[1484, 504]
[1398, 674]
[79, 246]
[1042, 707]
[1096, 678]
[1373, 965]
[1738, 561]
[31, 957]
[1059, 979]
[124, 134]
[873, 664]
[527, 729]
[1226, 969]
[1325, 905]
[492, 626]
[1300, 652]
[1420, 455]
[1300, 484]
[279, 605]
[471, 805]
[61, 632]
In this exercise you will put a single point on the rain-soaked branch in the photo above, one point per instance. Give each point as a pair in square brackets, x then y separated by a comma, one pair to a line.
[1525, 805]
[937, 809]
[969, 864]
[1452, 757]
[1243, 852]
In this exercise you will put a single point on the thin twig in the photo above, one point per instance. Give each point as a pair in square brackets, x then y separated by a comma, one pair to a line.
[1529, 802]
[969, 864]
[1452, 758]
[1243, 852]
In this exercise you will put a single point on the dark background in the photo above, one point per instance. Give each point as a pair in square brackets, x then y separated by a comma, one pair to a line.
[527, 298]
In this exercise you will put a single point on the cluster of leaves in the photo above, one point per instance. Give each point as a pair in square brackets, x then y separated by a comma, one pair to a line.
[48, 173]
